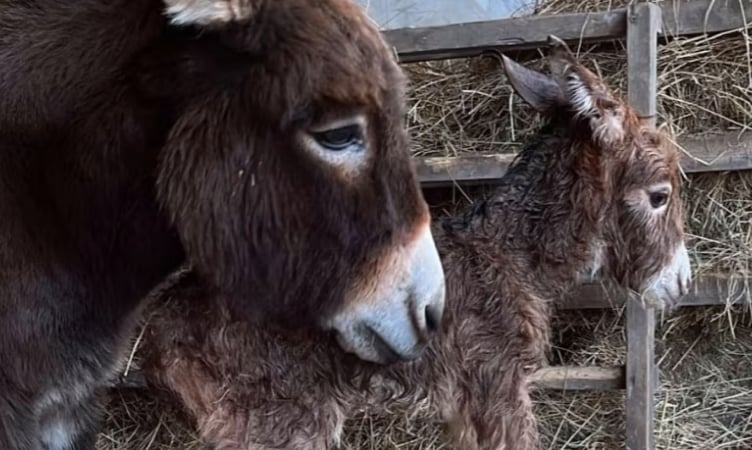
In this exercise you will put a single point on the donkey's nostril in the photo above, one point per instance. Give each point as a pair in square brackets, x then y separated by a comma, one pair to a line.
[433, 318]
[387, 354]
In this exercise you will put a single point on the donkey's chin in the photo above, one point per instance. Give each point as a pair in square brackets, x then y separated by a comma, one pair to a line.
[665, 294]
[660, 299]
[369, 345]
[673, 282]
[395, 319]
[390, 331]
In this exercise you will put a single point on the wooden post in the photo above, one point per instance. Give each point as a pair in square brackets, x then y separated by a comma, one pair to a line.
[640, 383]
[643, 26]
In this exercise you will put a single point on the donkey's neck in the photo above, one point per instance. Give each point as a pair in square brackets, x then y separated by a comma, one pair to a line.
[546, 212]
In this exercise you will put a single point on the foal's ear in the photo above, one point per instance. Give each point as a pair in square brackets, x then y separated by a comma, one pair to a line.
[585, 93]
[536, 89]
[209, 12]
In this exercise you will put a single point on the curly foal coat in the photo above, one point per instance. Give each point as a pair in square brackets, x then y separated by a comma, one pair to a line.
[595, 191]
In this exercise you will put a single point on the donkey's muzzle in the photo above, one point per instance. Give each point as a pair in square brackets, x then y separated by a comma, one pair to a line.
[394, 319]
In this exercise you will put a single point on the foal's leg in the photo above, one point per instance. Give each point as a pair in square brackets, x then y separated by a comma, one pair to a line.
[497, 418]
[509, 422]
[519, 423]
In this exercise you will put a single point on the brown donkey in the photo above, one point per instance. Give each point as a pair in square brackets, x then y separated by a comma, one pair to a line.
[263, 141]
[594, 191]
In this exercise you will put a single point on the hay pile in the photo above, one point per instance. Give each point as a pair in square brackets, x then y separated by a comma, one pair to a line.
[464, 106]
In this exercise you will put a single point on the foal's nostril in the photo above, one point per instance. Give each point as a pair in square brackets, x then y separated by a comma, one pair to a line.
[433, 318]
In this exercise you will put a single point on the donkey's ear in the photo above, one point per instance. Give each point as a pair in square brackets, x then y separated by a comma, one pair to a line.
[585, 93]
[209, 12]
[538, 90]
[582, 89]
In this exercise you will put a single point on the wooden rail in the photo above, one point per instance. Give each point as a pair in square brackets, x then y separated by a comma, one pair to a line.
[709, 290]
[576, 378]
[566, 378]
[718, 152]
[530, 32]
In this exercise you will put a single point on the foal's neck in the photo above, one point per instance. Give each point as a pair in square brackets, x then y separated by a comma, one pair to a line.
[545, 216]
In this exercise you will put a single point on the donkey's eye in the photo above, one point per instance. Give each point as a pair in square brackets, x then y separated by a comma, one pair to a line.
[658, 199]
[340, 143]
[341, 138]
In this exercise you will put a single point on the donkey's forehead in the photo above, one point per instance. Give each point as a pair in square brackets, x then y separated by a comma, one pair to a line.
[658, 145]
[652, 157]
[331, 51]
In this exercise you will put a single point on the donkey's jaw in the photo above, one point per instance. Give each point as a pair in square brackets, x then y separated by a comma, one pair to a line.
[673, 281]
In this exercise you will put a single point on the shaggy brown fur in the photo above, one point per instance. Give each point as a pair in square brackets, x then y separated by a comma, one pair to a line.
[596, 190]
[261, 140]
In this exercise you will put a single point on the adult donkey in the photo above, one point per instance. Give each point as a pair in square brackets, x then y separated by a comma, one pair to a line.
[261, 141]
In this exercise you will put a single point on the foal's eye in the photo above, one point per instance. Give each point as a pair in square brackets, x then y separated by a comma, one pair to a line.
[341, 138]
[658, 199]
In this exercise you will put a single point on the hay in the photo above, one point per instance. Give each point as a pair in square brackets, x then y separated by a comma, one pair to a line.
[467, 106]
[718, 218]
[141, 421]
[705, 397]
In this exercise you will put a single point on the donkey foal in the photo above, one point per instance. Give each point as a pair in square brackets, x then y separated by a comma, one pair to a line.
[596, 191]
